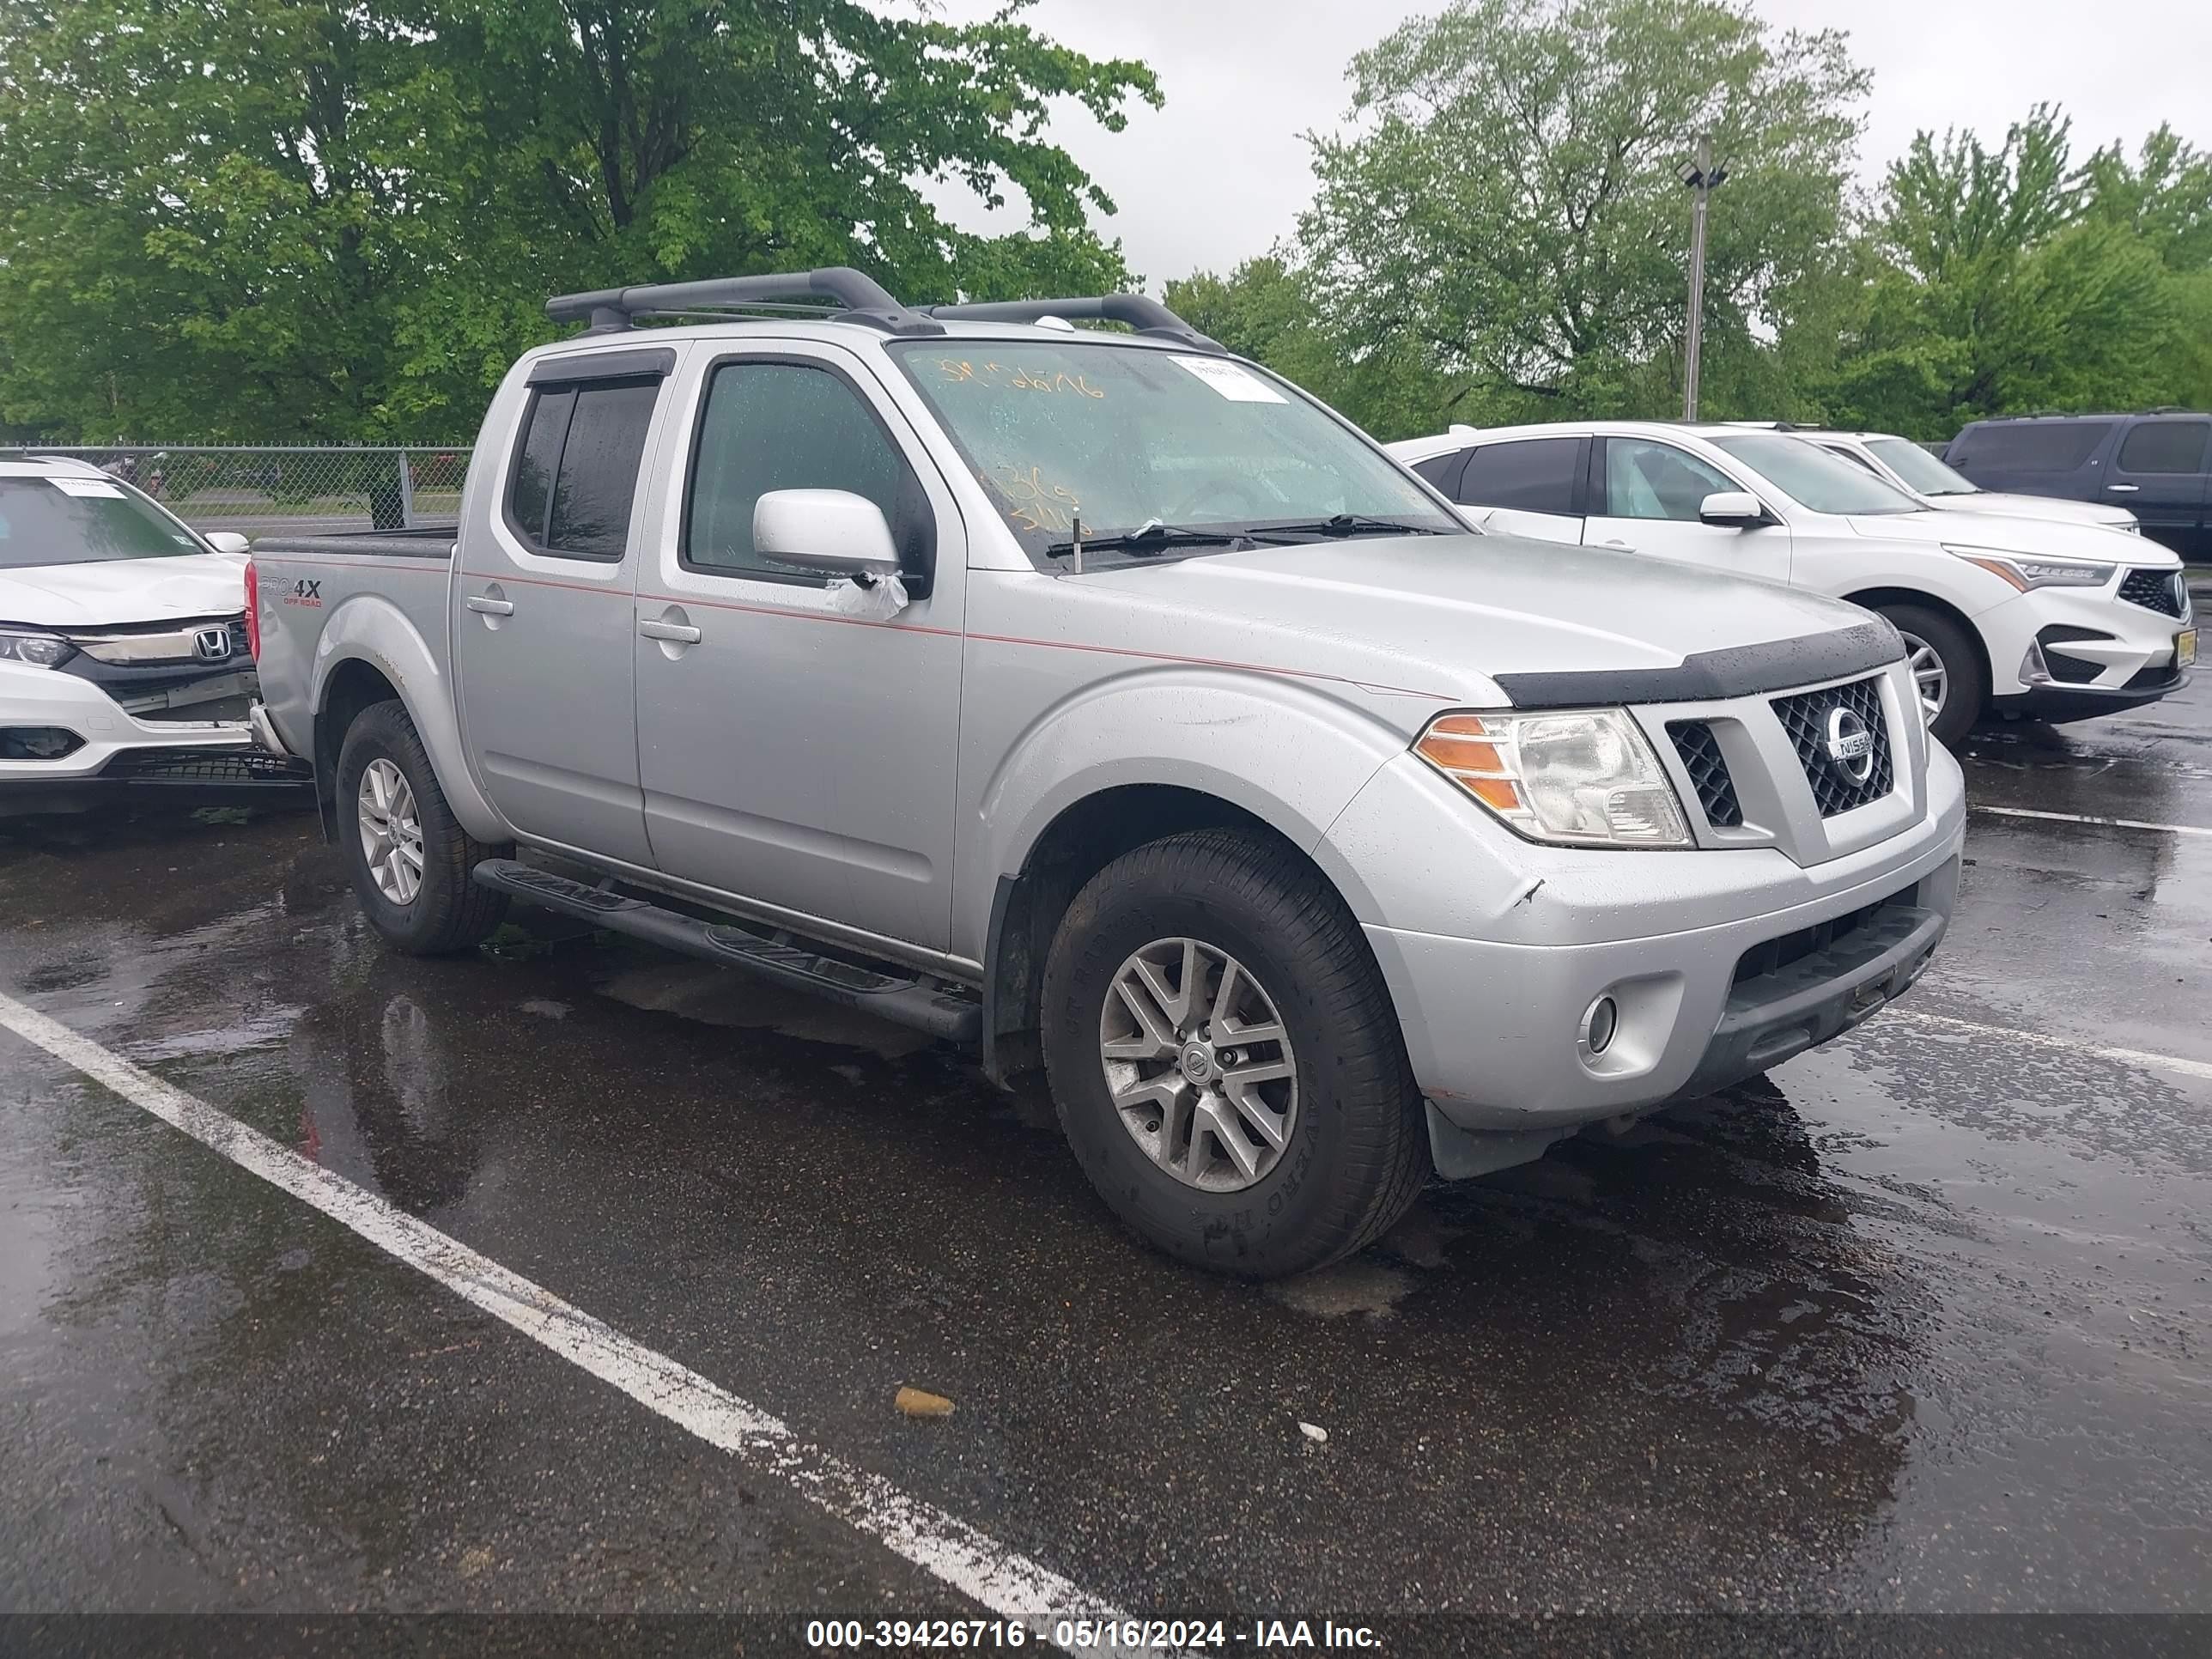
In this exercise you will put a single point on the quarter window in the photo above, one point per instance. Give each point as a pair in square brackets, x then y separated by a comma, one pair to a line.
[576, 474]
[792, 426]
[1536, 476]
[2165, 446]
[1647, 480]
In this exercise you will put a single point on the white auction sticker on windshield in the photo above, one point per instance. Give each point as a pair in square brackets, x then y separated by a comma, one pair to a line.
[88, 487]
[1232, 380]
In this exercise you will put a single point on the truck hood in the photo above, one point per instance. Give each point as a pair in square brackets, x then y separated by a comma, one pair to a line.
[1441, 615]
[1999, 504]
[115, 592]
[1998, 532]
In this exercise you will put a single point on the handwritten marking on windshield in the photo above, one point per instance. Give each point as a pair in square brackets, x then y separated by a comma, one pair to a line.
[1013, 378]
[1038, 504]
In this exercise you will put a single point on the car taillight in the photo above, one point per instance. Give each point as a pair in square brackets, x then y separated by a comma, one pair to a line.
[252, 611]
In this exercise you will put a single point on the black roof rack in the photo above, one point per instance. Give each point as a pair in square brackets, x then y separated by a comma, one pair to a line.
[862, 298]
[1141, 312]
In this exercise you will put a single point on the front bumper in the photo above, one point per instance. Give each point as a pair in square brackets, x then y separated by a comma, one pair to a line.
[1772, 958]
[123, 759]
[2130, 647]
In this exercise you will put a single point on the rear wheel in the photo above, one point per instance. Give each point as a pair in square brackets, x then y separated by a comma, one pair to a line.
[1225, 1060]
[409, 856]
[1947, 670]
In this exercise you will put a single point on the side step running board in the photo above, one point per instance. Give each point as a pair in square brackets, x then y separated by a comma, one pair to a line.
[900, 998]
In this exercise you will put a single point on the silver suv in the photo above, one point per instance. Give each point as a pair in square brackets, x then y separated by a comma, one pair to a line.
[1098, 700]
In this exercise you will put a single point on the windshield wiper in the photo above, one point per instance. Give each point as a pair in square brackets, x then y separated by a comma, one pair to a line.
[1347, 523]
[1149, 537]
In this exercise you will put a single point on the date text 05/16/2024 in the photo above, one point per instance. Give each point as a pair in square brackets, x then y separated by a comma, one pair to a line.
[1087, 1635]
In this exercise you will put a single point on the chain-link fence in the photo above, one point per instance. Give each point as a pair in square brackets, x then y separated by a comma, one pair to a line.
[300, 489]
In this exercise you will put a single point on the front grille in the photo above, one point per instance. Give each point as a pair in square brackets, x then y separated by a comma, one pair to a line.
[1804, 716]
[1709, 774]
[2154, 590]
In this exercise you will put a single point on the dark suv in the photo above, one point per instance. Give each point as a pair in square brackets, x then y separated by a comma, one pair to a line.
[2159, 466]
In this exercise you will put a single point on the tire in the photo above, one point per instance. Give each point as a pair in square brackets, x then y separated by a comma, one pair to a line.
[1966, 682]
[1355, 1146]
[446, 911]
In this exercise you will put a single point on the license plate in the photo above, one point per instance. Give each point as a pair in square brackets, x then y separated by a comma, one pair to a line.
[2184, 647]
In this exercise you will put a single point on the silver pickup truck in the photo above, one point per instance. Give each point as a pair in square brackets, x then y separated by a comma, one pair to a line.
[1095, 699]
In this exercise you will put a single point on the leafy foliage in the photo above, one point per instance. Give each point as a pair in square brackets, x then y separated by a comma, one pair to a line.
[1511, 200]
[299, 218]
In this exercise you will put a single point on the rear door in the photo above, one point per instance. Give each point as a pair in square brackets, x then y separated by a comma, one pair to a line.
[1644, 496]
[542, 636]
[1527, 486]
[798, 745]
[2158, 473]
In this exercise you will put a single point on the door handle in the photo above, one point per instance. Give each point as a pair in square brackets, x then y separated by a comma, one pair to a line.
[676, 633]
[2124, 487]
[489, 607]
[1623, 546]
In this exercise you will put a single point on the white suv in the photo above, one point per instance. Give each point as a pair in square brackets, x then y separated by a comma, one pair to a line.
[2057, 621]
[1911, 468]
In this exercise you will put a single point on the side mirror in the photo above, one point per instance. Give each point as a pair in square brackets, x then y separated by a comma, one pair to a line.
[1732, 509]
[825, 532]
[227, 541]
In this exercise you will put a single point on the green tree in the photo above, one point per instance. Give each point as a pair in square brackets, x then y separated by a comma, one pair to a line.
[1510, 198]
[298, 218]
[2010, 280]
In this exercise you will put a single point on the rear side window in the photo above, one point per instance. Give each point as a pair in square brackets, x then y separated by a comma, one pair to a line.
[2029, 445]
[576, 476]
[1537, 475]
[2165, 446]
[1442, 471]
[793, 426]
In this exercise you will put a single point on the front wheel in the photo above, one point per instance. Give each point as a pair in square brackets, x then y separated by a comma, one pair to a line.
[409, 856]
[1947, 670]
[1225, 1060]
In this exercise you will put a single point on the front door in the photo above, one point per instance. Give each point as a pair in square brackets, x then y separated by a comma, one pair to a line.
[1646, 494]
[2158, 475]
[797, 738]
[542, 634]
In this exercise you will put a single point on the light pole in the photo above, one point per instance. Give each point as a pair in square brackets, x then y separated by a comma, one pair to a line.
[1704, 176]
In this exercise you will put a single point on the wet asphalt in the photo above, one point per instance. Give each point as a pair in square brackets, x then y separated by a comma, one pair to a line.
[1919, 1321]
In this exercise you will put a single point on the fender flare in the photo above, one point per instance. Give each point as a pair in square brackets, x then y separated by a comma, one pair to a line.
[369, 628]
[1301, 756]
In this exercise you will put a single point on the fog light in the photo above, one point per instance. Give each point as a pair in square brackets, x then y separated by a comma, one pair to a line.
[2033, 670]
[1598, 1023]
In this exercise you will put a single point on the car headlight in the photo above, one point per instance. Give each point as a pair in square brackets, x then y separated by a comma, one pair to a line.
[2025, 572]
[1580, 777]
[39, 650]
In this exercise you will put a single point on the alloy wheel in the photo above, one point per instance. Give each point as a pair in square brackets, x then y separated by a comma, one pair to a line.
[1929, 678]
[1199, 1064]
[391, 831]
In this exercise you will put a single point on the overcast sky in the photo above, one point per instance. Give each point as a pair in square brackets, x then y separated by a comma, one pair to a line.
[1221, 172]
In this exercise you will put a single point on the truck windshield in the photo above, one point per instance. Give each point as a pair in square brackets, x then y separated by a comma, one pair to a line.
[1126, 437]
[1811, 475]
[73, 518]
[1920, 470]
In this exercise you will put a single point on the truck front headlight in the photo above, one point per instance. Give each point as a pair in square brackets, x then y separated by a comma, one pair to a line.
[1576, 777]
[38, 650]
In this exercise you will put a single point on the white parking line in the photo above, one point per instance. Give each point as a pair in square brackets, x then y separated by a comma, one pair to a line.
[1008, 1583]
[2087, 817]
[2037, 1040]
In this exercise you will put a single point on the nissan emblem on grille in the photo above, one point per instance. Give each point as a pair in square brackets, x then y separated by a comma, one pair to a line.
[212, 645]
[1850, 744]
